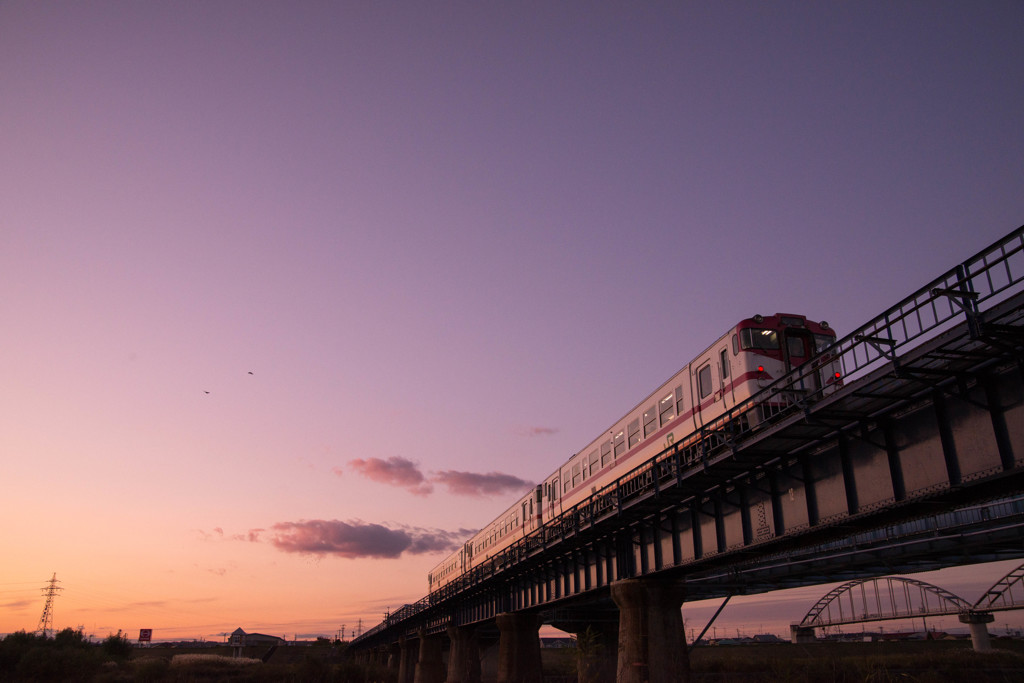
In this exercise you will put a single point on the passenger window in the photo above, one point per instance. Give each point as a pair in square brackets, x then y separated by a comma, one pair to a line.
[724, 357]
[634, 433]
[620, 444]
[576, 474]
[593, 462]
[704, 381]
[606, 453]
[665, 408]
[679, 400]
[735, 345]
[650, 421]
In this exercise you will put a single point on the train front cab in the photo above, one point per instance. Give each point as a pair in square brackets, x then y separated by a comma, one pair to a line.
[773, 346]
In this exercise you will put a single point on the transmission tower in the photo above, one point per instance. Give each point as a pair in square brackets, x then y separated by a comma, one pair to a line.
[50, 591]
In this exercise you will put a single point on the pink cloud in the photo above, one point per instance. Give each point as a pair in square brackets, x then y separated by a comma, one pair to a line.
[538, 431]
[395, 471]
[357, 539]
[474, 484]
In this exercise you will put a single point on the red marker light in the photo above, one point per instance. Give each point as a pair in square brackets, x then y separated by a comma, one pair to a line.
[838, 375]
[760, 368]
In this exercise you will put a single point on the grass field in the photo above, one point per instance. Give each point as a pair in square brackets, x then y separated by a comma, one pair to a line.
[29, 658]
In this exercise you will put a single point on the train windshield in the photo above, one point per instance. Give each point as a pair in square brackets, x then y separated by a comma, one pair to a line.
[823, 341]
[755, 338]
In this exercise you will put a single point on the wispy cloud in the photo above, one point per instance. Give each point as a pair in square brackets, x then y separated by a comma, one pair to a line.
[356, 539]
[397, 471]
[537, 431]
[474, 484]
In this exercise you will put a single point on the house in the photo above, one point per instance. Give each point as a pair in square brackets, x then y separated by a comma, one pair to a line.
[240, 638]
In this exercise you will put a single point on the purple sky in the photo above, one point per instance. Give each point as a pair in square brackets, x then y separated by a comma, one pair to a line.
[451, 242]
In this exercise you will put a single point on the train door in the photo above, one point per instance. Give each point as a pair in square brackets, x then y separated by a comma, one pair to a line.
[797, 348]
[725, 377]
[713, 384]
[704, 391]
[553, 494]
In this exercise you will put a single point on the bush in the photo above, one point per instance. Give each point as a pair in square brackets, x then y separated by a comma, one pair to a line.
[49, 663]
[117, 646]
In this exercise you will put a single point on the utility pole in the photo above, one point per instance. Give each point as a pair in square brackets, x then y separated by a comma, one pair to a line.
[50, 591]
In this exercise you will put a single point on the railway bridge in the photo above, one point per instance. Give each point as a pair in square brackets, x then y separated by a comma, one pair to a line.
[915, 463]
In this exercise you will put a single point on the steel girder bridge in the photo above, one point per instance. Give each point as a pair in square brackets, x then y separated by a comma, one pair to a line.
[915, 463]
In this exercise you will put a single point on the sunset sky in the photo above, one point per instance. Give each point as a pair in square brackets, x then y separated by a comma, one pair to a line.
[294, 296]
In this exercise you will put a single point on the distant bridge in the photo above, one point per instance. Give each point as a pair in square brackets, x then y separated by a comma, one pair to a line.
[897, 597]
[916, 463]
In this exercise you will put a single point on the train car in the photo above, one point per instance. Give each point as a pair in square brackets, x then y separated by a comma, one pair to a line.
[522, 519]
[742, 362]
[745, 360]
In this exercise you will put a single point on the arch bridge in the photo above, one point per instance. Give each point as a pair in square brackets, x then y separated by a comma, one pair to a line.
[897, 597]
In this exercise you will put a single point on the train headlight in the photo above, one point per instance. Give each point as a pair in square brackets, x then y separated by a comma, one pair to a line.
[824, 325]
[758, 318]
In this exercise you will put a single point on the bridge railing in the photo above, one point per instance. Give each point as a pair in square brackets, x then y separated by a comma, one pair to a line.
[958, 294]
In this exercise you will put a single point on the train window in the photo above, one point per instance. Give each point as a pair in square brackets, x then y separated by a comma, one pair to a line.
[795, 345]
[822, 341]
[751, 338]
[554, 488]
[606, 453]
[679, 400]
[704, 381]
[593, 462]
[634, 432]
[650, 421]
[735, 344]
[576, 474]
[620, 444]
[724, 358]
[665, 409]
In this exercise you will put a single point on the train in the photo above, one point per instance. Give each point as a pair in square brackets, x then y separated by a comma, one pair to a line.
[740, 363]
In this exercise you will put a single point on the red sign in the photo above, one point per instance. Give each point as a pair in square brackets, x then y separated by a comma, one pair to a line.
[145, 635]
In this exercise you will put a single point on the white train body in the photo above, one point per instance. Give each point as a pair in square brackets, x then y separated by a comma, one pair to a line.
[746, 359]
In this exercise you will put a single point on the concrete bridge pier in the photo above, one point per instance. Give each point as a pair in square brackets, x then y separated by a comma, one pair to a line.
[409, 653]
[518, 648]
[801, 634]
[463, 655]
[429, 668]
[652, 643]
[597, 645]
[394, 657]
[979, 631]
